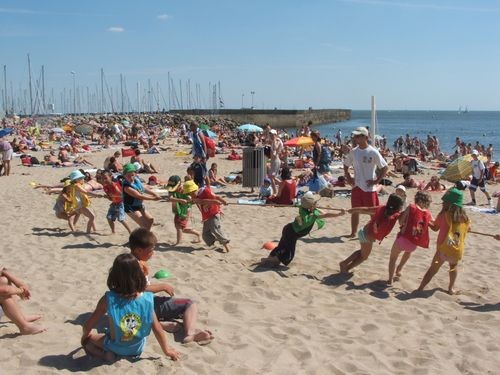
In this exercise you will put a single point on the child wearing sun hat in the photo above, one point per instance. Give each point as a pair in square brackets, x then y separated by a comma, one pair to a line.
[453, 225]
[209, 205]
[181, 207]
[300, 227]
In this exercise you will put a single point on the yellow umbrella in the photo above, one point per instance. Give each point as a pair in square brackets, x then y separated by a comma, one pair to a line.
[459, 169]
[300, 142]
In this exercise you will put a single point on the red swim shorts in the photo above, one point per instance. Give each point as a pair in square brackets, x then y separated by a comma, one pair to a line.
[360, 198]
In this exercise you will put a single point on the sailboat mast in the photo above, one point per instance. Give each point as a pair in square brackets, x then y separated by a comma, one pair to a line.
[102, 90]
[6, 101]
[31, 89]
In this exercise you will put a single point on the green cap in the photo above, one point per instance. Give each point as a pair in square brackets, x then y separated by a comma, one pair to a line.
[454, 196]
[127, 168]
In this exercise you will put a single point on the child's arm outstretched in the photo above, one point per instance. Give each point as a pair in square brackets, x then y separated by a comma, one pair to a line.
[362, 210]
[162, 340]
[332, 214]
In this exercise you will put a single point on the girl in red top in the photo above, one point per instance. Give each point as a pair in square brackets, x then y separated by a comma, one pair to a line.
[380, 225]
[414, 233]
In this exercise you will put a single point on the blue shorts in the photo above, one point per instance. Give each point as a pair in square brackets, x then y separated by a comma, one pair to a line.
[116, 211]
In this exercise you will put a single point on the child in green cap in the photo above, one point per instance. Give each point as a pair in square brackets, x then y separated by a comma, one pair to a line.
[453, 225]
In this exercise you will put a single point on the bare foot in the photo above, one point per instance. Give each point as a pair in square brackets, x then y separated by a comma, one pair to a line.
[352, 235]
[389, 282]
[196, 241]
[202, 337]
[171, 327]
[32, 329]
[452, 292]
[32, 318]
[226, 248]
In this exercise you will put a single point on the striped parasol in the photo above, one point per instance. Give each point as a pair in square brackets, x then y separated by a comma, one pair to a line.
[459, 169]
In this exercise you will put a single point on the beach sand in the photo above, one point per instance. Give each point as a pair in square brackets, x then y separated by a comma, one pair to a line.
[306, 319]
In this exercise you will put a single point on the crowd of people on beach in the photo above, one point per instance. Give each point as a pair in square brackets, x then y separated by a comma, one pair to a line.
[364, 176]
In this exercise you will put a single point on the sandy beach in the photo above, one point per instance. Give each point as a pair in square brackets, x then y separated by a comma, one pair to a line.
[304, 319]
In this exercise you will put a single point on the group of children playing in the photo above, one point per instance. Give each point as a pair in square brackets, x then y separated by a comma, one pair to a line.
[134, 310]
[415, 221]
[74, 201]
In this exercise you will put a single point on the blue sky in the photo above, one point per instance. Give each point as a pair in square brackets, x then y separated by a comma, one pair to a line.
[410, 54]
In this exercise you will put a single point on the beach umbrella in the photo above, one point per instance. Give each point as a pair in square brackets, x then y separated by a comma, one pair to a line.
[6, 131]
[251, 128]
[204, 127]
[300, 142]
[209, 133]
[83, 129]
[57, 130]
[460, 168]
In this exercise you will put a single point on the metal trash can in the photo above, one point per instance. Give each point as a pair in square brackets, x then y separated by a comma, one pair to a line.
[254, 166]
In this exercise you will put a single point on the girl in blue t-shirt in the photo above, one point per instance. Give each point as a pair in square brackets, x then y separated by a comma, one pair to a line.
[130, 312]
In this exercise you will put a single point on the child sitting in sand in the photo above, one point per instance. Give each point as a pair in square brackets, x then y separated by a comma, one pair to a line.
[380, 225]
[301, 226]
[181, 207]
[114, 192]
[167, 308]
[10, 287]
[212, 176]
[414, 232]
[453, 225]
[265, 190]
[131, 315]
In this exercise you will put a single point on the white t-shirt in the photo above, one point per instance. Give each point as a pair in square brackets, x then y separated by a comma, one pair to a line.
[477, 167]
[365, 162]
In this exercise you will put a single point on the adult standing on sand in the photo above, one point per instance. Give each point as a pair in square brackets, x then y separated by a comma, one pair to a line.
[369, 168]
[7, 151]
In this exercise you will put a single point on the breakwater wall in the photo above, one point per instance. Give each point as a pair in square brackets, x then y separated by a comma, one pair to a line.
[278, 118]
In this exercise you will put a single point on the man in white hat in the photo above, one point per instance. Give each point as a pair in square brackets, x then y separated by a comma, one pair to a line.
[478, 178]
[369, 168]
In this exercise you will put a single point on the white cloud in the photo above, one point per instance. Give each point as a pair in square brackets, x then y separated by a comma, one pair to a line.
[163, 17]
[116, 29]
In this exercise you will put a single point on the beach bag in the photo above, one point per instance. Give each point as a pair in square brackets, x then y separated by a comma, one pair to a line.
[26, 161]
[127, 152]
[210, 147]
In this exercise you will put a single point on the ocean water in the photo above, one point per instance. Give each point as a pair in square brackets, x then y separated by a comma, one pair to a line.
[482, 126]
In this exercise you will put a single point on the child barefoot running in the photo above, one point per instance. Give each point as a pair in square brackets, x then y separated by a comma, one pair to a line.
[301, 226]
[131, 315]
[114, 192]
[181, 207]
[380, 225]
[414, 232]
[453, 225]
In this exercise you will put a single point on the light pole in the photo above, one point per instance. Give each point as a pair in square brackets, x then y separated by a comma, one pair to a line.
[74, 91]
[253, 93]
[242, 96]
